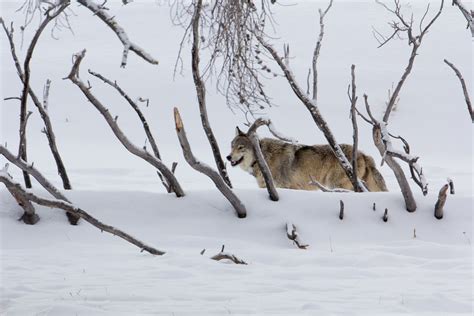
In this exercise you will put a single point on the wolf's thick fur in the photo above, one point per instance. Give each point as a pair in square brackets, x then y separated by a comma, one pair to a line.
[292, 166]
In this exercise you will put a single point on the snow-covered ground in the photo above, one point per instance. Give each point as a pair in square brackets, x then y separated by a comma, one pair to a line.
[360, 265]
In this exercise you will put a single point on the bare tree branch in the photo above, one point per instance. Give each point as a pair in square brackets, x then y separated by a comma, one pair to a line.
[205, 169]
[464, 88]
[42, 109]
[201, 95]
[317, 49]
[110, 21]
[145, 155]
[469, 16]
[326, 189]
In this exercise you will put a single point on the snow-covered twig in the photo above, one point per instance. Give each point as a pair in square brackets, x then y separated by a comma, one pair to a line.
[145, 155]
[128, 45]
[225, 255]
[464, 88]
[68, 207]
[326, 189]
[205, 169]
[294, 236]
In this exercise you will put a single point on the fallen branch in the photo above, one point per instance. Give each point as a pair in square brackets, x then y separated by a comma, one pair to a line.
[29, 216]
[110, 21]
[294, 236]
[205, 169]
[464, 88]
[224, 255]
[439, 206]
[145, 155]
[5, 179]
[326, 189]
[48, 186]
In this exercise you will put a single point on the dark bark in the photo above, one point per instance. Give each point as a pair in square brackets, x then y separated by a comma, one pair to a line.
[201, 95]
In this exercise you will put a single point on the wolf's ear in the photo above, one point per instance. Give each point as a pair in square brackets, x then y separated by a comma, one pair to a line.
[238, 132]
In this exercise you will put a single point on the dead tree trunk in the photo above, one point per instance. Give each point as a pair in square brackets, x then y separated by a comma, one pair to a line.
[205, 169]
[201, 95]
[5, 179]
[145, 155]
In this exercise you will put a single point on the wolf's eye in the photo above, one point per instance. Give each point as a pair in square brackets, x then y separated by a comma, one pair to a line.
[240, 147]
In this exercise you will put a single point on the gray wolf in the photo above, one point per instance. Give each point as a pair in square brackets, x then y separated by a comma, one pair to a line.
[293, 165]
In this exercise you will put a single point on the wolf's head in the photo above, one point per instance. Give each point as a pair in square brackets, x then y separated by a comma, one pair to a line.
[241, 151]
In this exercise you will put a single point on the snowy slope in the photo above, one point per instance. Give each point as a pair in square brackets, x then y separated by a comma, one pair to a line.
[359, 266]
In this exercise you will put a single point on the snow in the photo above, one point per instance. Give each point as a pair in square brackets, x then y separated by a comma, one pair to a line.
[359, 265]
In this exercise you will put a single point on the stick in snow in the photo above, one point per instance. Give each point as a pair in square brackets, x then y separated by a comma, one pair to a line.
[341, 210]
[385, 215]
[293, 235]
[68, 207]
[224, 255]
[439, 206]
[205, 169]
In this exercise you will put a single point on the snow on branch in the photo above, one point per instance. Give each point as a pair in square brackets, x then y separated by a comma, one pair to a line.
[128, 45]
[326, 189]
[225, 255]
[464, 88]
[294, 236]
[205, 169]
[68, 207]
[139, 152]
